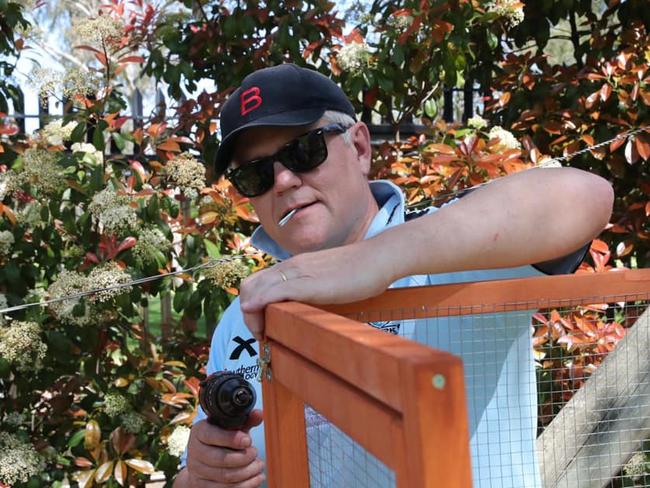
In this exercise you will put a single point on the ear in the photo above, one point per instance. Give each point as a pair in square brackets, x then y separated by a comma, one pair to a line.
[360, 138]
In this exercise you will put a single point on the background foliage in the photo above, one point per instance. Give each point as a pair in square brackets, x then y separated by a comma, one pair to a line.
[103, 401]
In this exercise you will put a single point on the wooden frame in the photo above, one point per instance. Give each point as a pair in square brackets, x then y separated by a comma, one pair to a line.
[403, 402]
[379, 388]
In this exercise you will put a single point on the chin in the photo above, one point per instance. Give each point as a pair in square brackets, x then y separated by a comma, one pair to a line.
[305, 242]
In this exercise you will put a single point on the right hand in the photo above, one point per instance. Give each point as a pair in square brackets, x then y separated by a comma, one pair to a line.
[217, 458]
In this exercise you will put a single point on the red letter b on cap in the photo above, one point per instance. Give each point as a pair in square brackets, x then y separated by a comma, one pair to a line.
[250, 100]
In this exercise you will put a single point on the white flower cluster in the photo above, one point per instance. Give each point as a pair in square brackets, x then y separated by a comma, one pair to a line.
[19, 461]
[7, 184]
[106, 276]
[227, 274]
[41, 171]
[477, 122]
[21, 345]
[72, 283]
[112, 211]
[512, 10]
[55, 133]
[638, 465]
[100, 31]
[14, 419]
[6, 243]
[354, 57]
[30, 215]
[150, 242]
[187, 173]
[400, 22]
[506, 138]
[116, 404]
[97, 157]
[69, 283]
[133, 422]
[177, 440]
[74, 82]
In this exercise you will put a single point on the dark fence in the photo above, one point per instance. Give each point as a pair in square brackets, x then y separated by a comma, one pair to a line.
[458, 104]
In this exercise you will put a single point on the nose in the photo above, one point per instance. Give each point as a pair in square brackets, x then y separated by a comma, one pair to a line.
[285, 179]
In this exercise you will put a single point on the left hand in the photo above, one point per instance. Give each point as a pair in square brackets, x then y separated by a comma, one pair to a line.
[338, 275]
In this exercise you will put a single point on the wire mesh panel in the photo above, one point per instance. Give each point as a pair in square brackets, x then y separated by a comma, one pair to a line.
[349, 406]
[557, 373]
[335, 459]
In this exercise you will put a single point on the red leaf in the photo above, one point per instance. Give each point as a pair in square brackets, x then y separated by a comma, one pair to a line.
[122, 441]
[605, 92]
[169, 145]
[101, 57]
[354, 36]
[92, 258]
[127, 243]
[88, 48]
[616, 144]
[552, 127]
[415, 25]
[591, 99]
[131, 59]
[643, 146]
[440, 30]
[600, 246]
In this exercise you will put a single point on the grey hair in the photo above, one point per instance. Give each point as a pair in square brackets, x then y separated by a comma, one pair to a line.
[335, 117]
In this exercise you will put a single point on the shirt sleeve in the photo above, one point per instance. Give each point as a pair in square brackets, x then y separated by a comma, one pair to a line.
[564, 265]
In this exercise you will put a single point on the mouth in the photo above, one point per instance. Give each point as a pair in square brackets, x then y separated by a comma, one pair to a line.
[288, 215]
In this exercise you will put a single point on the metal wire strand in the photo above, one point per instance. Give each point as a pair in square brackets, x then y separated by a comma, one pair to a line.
[209, 264]
[543, 164]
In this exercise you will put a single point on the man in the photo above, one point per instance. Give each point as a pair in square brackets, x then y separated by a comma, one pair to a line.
[292, 144]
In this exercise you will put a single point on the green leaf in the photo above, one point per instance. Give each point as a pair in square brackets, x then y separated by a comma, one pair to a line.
[212, 249]
[431, 108]
[492, 40]
[120, 140]
[79, 133]
[76, 439]
[181, 298]
[98, 139]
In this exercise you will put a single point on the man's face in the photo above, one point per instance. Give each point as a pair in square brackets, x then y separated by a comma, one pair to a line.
[335, 206]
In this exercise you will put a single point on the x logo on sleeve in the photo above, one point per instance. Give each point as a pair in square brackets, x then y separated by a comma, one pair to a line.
[244, 345]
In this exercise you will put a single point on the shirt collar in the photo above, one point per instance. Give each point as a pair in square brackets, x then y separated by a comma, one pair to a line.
[390, 201]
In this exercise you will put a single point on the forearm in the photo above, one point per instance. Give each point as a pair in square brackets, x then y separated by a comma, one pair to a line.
[530, 217]
[182, 479]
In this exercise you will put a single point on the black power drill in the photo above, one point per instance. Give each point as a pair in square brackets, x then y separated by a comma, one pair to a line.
[227, 399]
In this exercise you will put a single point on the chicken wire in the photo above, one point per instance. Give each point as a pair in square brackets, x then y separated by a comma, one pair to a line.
[540, 412]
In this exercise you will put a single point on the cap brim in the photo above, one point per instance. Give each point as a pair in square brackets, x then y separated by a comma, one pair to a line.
[285, 119]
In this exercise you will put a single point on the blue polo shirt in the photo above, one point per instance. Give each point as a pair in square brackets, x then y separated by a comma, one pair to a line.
[497, 355]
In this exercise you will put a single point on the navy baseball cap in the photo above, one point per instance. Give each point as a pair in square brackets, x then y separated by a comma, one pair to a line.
[284, 95]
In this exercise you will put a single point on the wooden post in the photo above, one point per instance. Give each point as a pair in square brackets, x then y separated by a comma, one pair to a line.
[605, 422]
[402, 402]
[284, 415]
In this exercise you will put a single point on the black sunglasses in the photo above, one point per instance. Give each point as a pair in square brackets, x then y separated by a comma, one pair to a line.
[300, 155]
